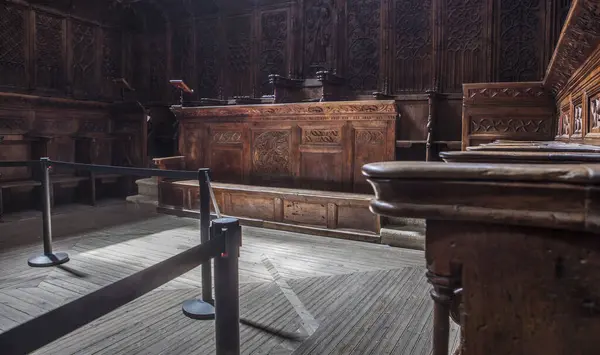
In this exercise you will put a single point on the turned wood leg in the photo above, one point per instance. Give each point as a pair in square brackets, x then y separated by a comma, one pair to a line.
[455, 312]
[442, 295]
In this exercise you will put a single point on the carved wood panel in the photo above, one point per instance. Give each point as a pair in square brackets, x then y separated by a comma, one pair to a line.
[363, 36]
[238, 35]
[112, 56]
[207, 58]
[520, 40]
[49, 58]
[12, 46]
[274, 29]
[182, 48]
[594, 114]
[157, 56]
[271, 153]
[319, 36]
[413, 51]
[465, 43]
[83, 43]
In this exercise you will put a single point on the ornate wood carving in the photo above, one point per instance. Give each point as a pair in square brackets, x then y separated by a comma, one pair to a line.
[271, 153]
[321, 136]
[509, 125]
[465, 31]
[182, 52]
[581, 36]
[509, 92]
[112, 48]
[157, 67]
[363, 31]
[227, 137]
[578, 120]
[273, 45]
[12, 46]
[370, 137]
[207, 57]
[412, 45]
[49, 51]
[359, 110]
[319, 36]
[239, 56]
[594, 114]
[83, 42]
[520, 40]
[565, 123]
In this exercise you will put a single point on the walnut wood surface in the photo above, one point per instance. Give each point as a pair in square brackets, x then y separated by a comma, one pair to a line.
[519, 241]
[319, 146]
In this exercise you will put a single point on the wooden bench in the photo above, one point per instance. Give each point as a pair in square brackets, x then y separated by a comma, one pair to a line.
[17, 185]
[333, 214]
[326, 213]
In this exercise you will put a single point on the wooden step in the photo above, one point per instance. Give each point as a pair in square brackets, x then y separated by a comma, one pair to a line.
[325, 213]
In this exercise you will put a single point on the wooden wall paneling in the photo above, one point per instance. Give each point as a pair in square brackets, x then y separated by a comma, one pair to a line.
[520, 33]
[320, 36]
[238, 36]
[363, 44]
[182, 55]
[466, 46]
[592, 111]
[323, 161]
[208, 58]
[577, 117]
[49, 52]
[13, 46]
[412, 45]
[225, 152]
[83, 54]
[273, 54]
[113, 53]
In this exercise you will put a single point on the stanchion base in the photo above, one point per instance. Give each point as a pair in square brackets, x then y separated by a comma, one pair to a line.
[48, 260]
[198, 309]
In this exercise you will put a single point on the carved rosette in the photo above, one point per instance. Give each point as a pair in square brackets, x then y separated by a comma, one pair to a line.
[271, 153]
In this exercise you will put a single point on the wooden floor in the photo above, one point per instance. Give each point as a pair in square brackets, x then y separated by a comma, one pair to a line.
[339, 296]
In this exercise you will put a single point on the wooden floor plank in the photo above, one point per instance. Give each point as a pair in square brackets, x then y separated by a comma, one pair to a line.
[366, 298]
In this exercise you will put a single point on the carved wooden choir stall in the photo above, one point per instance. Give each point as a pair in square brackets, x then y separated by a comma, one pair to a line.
[294, 166]
[512, 249]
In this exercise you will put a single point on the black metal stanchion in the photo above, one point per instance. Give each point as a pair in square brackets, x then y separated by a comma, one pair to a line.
[227, 298]
[48, 258]
[203, 309]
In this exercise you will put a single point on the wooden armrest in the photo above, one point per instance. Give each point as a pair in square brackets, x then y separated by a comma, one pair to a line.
[170, 163]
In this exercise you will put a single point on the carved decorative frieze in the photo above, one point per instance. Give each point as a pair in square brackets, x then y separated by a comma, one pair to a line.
[93, 126]
[320, 111]
[321, 136]
[227, 137]
[370, 137]
[506, 92]
[579, 40]
[12, 124]
[509, 125]
[271, 153]
[54, 126]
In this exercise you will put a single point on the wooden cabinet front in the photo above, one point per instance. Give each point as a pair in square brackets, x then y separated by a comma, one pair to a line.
[319, 146]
